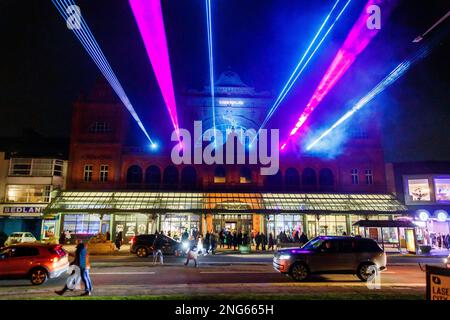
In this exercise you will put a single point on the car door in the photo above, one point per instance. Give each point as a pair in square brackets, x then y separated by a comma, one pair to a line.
[325, 257]
[22, 259]
[346, 259]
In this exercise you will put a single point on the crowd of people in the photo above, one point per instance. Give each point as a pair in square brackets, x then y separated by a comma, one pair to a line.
[438, 240]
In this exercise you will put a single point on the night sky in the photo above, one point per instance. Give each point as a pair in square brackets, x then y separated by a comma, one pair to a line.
[43, 67]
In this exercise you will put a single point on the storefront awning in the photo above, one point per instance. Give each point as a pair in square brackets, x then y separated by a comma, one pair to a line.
[200, 202]
[384, 224]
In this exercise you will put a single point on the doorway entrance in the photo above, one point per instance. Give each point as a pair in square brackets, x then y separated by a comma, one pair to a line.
[233, 222]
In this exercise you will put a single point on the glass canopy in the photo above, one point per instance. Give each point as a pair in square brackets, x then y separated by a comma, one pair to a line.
[200, 202]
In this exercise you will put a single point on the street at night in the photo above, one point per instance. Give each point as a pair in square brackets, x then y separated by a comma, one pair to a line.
[229, 275]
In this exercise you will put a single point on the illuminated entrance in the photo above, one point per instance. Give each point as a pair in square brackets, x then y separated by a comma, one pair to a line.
[233, 222]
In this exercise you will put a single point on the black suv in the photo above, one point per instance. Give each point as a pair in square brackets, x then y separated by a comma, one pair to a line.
[142, 245]
[329, 254]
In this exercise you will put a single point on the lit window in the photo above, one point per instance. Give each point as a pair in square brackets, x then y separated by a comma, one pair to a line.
[104, 173]
[355, 179]
[100, 127]
[28, 193]
[87, 175]
[220, 175]
[369, 176]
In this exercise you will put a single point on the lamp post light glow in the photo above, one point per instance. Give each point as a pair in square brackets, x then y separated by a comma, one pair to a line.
[423, 215]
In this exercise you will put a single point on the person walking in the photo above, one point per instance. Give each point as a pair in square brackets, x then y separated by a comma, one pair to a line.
[157, 249]
[119, 239]
[296, 236]
[271, 242]
[84, 270]
[206, 243]
[75, 262]
[191, 254]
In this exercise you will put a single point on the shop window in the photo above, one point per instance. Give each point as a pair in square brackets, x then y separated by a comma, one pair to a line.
[104, 168]
[220, 175]
[134, 175]
[245, 175]
[87, 173]
[369, 176]
[354, 175]
[442, 187]
[28, 193]
[419, 190]
[82, 224]
[153, 177]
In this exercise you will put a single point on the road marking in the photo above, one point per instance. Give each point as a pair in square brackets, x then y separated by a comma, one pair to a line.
[116, 273]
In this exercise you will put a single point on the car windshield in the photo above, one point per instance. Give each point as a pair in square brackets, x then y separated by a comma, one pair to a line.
[16, 235]
[313, 244]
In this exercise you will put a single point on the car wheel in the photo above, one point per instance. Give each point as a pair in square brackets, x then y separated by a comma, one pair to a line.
[142, 252]
[365, 271]
[38, 276]
[299, 272]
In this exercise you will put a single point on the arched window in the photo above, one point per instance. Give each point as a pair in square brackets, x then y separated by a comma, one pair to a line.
[189, 177]
[274, 182]
[170, 178]
[292, 179]
[134, 175]
[309, 177]
[245, 175]
[326, 179]
[220, 175]
[153, 177]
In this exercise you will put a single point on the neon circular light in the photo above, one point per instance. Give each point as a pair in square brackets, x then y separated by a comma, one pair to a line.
[441, 215]
[423, 215]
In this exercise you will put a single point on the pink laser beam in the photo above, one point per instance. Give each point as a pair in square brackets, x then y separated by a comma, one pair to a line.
[357, 40]
[149, 18]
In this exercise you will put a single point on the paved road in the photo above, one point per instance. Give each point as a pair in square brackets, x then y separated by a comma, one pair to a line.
[218, 275]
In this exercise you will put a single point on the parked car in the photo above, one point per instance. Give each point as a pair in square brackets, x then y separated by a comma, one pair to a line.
[142, 245]
[35, 261]
[20, 237]
[330, 254]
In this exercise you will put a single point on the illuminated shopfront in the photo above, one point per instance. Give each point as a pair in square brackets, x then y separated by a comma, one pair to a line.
[146, 212]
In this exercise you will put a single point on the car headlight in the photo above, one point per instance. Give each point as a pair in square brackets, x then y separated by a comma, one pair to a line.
[446, 260]
[285, 257]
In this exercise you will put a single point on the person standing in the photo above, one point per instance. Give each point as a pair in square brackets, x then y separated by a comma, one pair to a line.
[62, 238]
[108, 236]
[257, 240]
[235, 240]
[271, 242]
[221, 238]
[213, 241]
[303, 238]
[229, 239]
[206, 243]
[263, 241]
[119, 239]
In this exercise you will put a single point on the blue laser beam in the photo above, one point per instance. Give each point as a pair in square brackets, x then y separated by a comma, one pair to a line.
[296, 73]
[91, 46]
[211, 60]
[392, 77]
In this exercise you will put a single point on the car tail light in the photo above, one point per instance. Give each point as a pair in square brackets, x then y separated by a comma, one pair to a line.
[54, 259]
[132, 240]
